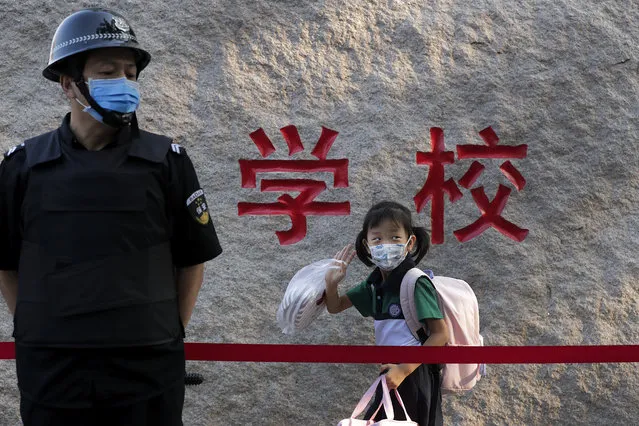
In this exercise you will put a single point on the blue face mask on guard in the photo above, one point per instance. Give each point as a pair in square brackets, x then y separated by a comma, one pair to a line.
[116, 94]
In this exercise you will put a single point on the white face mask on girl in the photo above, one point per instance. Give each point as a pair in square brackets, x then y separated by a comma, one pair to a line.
[388, 256]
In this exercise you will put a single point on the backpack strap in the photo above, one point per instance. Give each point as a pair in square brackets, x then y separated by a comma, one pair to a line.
[407, 301]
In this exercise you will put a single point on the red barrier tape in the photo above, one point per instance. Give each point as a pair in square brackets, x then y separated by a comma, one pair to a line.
[378, 354]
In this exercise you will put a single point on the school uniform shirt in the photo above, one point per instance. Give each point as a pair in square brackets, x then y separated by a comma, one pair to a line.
[380, 299]
[82, 377]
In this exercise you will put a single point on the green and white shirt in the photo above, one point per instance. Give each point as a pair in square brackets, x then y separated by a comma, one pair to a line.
[380, 299]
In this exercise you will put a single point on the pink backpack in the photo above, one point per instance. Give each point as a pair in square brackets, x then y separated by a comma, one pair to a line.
[458, 303]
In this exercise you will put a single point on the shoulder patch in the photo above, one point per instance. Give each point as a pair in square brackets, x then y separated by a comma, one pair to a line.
[176, 148]
[197, 206]
[13, 150]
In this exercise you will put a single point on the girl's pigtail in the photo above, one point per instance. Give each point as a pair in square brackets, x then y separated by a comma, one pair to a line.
[361, 250]
[421, 245]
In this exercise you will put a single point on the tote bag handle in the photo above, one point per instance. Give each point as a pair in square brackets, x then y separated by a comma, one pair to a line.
[368, 396]
[386, 401]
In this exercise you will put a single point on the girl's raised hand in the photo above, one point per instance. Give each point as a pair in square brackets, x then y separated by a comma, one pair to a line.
[336, 274]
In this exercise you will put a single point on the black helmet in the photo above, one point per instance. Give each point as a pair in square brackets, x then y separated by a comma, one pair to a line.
[87, 30]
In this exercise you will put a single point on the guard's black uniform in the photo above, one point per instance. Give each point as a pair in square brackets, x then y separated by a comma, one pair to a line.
[96, 237]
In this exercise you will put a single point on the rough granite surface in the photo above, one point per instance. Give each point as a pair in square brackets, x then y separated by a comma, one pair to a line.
[560, 76]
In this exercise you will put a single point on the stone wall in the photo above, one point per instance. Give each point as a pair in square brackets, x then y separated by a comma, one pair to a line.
[559, 76]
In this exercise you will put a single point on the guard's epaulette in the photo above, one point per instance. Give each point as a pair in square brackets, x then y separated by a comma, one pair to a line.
[13, 150]
[177, 149]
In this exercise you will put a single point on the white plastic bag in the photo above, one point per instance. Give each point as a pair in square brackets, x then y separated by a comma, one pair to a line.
[303, 300]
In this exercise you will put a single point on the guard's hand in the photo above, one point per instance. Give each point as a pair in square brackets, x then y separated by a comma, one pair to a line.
[337, 273]
[395, 375]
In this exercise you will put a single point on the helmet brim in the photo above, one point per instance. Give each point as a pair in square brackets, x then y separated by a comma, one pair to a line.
[54, 70]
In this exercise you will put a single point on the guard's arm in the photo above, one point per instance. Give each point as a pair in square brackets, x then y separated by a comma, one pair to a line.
[189, 282]
[10, 200]
[9, 288]
[194, 240]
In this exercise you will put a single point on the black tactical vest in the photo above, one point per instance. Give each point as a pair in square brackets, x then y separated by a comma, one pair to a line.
[95, 266]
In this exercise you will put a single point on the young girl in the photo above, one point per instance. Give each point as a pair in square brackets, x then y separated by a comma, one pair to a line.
[389, 240]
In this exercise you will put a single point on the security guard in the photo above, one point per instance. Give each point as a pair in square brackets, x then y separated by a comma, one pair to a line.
[104, 230]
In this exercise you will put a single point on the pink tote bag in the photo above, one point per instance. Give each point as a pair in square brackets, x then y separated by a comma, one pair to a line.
[386, 403]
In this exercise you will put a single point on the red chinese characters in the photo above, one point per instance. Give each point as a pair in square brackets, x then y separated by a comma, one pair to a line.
[436, 186]
[303, 205]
